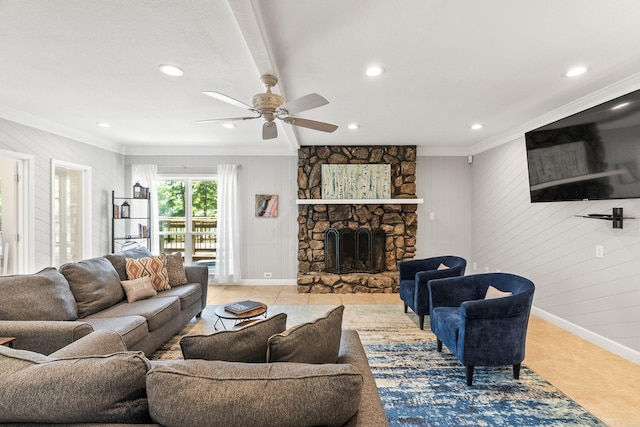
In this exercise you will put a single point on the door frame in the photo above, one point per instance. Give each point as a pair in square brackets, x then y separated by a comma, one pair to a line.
[26, 228]
[86, 205]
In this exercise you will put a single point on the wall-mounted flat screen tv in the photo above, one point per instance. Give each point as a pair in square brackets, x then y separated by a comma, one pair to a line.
[591, 155]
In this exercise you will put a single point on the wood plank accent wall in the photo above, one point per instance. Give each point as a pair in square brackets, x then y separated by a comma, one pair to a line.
[598, 298]
[107, 173]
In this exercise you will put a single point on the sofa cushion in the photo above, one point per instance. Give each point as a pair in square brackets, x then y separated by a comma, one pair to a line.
[188, 294]
[175, 269]
[119, 263]
[94, 283]
[132, 329]
[93, 389]
[248, 344]
[313, 342]
[156, 311]
[252, 394]
[44, 295]
[153, 266]
[137, 289]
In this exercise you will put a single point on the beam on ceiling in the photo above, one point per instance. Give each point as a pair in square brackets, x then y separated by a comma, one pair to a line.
[248, 16]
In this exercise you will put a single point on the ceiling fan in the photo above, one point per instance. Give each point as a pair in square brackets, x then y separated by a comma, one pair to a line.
[271, 106]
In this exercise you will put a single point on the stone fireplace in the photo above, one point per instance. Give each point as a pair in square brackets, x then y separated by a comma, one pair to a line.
[392, 224]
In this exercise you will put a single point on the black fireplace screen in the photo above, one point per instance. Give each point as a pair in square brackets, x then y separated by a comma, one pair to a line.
[354, 251]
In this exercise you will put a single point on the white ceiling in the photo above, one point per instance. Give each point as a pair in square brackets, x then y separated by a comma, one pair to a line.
[69, 64]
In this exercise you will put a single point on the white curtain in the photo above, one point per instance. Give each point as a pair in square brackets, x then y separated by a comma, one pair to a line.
[146, 176]
[228, 241]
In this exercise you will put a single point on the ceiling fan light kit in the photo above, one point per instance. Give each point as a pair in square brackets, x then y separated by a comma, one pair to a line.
[271, 106]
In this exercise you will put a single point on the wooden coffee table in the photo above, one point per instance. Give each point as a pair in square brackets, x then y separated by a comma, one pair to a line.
[240, 320]
[8, 341]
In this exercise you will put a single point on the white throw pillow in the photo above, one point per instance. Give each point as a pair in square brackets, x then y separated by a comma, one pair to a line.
[137, 289]
[496, 293]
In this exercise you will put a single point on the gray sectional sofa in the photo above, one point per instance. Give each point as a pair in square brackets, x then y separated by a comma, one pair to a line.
[52, 308]
[95, 380]
[80, 358]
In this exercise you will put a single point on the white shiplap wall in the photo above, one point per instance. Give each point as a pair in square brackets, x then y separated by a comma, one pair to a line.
[107, 172]
[597, 298]
[269, 245]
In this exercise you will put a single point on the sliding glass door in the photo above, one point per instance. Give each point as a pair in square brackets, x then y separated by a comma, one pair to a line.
[187, 213]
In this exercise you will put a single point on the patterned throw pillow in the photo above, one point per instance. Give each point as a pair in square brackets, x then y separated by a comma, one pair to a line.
[175, 268]
[154, 267]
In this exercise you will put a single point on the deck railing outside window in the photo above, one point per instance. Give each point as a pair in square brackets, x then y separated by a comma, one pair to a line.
[203, 239]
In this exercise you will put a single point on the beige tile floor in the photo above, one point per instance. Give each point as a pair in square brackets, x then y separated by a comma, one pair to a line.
[605, 384]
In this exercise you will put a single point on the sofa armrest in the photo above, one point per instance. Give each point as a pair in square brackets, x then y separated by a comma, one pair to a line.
[94, 344]
[43, 336]
[199, 274]
[371, 410]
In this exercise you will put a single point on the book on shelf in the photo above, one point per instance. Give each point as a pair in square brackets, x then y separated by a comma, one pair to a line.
[242, 307]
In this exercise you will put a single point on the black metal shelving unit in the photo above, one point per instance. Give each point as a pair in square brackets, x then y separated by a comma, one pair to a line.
[125, 229]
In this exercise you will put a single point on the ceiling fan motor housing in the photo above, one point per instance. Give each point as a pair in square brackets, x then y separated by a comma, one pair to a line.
[267, 102]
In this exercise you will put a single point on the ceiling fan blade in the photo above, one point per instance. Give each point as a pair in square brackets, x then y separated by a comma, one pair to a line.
[307, 102]
[228, 119]
[221, 97]
[311, 124]
[269, 130]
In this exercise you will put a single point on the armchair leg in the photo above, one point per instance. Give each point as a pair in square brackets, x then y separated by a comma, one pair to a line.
[516, 371]
[422, 322]
[469, 369]
[439, 345]
[405, 308]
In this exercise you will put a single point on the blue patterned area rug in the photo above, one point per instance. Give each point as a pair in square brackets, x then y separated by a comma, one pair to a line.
[421, 387]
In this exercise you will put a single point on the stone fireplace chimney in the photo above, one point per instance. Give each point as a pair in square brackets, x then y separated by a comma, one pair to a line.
[394, 223]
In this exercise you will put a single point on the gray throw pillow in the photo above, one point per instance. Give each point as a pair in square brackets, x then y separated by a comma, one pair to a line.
[252, 394]
[95, 284]
[44, 295]
[248, 344]
[92, 389]
[313, 342]
[119, 263]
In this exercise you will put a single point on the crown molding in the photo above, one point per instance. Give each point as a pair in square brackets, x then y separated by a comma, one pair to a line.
[605, 94]
[208, 150]
[54, 128]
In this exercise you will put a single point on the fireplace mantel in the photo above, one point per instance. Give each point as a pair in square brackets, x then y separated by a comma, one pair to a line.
[359, 201]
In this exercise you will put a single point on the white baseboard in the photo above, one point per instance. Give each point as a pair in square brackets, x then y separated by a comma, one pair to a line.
[592, 337]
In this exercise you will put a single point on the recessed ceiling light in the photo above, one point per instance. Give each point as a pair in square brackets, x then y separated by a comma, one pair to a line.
[624, 104]
[374, 71]
[170, 70]
[476, 126]
[228, 125]
[353, 126]
[103, 124]
[576, 71]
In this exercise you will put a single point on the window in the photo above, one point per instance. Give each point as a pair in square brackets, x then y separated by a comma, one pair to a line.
[187, 218]
[71, 210]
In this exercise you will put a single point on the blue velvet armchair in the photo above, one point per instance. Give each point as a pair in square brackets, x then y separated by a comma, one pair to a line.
[482, 331]
[414, 276]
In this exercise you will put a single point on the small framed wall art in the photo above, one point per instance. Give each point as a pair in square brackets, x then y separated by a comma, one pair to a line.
[267, 205]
